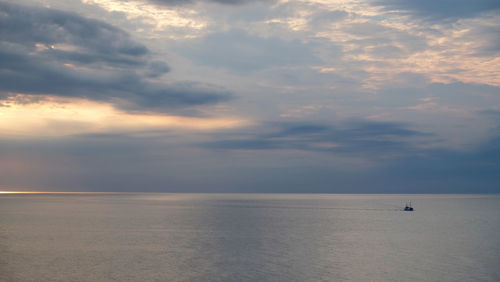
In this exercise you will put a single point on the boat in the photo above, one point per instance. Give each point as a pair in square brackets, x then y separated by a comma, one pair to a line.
[408, 206]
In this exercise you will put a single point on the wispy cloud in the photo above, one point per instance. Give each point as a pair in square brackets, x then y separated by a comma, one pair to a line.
[239, 51]
[186, 2]
[441, 9]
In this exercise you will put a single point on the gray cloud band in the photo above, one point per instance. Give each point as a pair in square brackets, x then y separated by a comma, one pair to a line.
[46, 51]
[441, 9]
[360, 137]
[185, 2]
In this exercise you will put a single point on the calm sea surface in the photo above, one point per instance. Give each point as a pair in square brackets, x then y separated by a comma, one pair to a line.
[249, 237]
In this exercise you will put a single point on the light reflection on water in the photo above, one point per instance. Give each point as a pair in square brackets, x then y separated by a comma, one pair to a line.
[248, 237]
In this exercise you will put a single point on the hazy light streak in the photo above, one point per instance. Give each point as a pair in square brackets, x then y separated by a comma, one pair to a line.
[159, 16]
[54, 116]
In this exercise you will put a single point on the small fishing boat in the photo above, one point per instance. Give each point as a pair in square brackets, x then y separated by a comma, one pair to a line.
[408, 206]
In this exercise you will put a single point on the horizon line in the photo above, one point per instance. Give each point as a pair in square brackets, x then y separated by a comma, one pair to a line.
[7, 192]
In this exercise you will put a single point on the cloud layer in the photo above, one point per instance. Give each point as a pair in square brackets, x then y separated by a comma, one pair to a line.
[442, 9]
[184, 2]
[238, 51]
[333, 96]
[46, 51]
[355, 138]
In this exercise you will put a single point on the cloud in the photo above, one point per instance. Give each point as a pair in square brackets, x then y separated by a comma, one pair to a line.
[354, 137]
[68, 37]
[46, 51]
[225, 2]
[491, 113]
[239, 51]
[448, 171]
[308, 61]
[324, 18]
[157, 68]
[486, 38]
[29, 116]
[116, 162]
[441, 9]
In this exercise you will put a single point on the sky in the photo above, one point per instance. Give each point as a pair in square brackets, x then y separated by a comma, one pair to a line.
[318, 96]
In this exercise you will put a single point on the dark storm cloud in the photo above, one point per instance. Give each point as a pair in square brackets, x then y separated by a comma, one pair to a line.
[358, 137]
[441, 9]
[46, 51]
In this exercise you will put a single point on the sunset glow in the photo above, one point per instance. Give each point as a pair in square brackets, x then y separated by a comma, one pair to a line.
[52, 117]
[250, 96]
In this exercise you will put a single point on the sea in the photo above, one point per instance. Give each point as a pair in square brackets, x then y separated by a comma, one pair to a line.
[248, 237]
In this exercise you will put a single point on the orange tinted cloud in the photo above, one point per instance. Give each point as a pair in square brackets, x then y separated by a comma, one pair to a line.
[55, 116]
